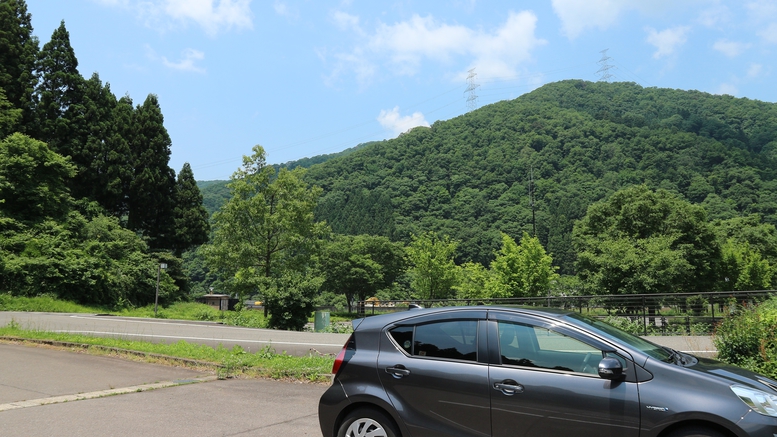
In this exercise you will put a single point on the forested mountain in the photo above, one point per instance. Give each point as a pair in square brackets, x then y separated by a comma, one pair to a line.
[216, 193]
[570, 144]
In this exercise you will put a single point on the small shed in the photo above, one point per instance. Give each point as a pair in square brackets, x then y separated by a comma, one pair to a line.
[218, 301]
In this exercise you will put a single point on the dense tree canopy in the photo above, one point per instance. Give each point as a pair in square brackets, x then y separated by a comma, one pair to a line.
[359, 266]
[642, 241]
[33, 180]
[77, 168]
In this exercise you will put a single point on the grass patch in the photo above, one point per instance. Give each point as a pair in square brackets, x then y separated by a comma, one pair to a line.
[178, 311]
[234, 362]
[43, 304]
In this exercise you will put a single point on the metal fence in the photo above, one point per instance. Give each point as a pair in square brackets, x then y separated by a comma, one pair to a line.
[643, 314]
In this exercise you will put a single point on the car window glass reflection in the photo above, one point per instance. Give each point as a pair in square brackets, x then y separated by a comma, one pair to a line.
[452, 339]
[533, 346]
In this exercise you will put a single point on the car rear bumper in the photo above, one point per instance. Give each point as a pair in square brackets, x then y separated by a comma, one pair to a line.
[332, 403]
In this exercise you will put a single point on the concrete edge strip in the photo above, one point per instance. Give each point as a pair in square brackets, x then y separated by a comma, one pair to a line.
[101, 393]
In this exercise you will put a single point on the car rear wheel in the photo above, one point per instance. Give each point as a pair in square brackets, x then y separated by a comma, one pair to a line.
[367, 422]
[695, 431]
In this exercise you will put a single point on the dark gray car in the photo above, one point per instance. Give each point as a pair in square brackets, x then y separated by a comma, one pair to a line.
[490, 371]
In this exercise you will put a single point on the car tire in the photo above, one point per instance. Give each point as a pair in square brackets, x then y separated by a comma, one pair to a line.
[696, 431]
[367, 421]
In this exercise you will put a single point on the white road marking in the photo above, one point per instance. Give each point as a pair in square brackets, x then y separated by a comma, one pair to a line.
[100, 393]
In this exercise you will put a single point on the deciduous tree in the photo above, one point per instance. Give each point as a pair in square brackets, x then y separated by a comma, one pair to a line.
[33, 180]
[524, 270]
[266, 232]
[432, 270]
[643, 241]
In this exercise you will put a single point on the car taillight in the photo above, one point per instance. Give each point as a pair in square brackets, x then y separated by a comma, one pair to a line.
[340, 359]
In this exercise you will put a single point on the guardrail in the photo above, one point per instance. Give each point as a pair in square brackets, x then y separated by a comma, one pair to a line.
[643, 314]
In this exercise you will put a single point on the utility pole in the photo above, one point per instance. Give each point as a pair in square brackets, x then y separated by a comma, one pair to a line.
[531, 200]
[158, 273]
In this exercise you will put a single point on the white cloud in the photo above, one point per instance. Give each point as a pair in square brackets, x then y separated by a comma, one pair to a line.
[755, 71]
[730, 48]
[190, 57]
[715, 15]
[762, 9]
[398, 124]
[770, 34]
[282, 8]
[727, 88]
[346, 21]
[576, 16]
[213, 16]
[404, 46]
[667, 41]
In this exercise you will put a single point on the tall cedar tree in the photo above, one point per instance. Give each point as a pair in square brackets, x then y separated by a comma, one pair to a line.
[60, 90]
[105, 168]
[151, 194]
[191, 218]
[18, 54]
[124, 125]
[9, 116]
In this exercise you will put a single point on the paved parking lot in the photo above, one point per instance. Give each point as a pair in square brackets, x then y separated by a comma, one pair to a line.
[157, 401]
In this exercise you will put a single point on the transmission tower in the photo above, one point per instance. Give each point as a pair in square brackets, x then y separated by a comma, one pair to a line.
[472, 98]
[604, 69]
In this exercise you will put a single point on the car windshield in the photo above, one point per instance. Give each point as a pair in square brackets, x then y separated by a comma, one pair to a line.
[608, 331]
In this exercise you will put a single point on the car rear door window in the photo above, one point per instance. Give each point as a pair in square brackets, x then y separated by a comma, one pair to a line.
[455, 339]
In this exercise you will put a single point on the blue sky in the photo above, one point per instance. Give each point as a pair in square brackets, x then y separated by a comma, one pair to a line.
[304, 77]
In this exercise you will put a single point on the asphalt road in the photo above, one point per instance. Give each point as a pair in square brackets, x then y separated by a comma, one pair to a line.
[172, 331]
[214, 334]
[47, 392]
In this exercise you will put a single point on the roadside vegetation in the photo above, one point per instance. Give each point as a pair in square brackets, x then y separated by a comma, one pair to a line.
[236, 362]
[178, 311]
[748, 338]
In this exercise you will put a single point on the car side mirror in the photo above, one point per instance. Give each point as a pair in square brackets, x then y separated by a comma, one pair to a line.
[610, 368]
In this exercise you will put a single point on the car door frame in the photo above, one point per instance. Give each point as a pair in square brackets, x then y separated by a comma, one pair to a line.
[570, 330]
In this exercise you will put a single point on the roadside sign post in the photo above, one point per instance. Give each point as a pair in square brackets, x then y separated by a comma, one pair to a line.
[158, 273]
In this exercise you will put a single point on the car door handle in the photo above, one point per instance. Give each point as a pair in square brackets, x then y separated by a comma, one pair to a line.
[508, 387]
[398, 371]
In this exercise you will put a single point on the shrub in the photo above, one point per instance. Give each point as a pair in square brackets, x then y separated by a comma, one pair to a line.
[748, 338]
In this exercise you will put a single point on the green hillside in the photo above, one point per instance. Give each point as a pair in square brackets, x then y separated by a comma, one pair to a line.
[215, 193]
[470, 177]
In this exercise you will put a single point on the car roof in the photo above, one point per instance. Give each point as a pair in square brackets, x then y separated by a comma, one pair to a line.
[388, 318]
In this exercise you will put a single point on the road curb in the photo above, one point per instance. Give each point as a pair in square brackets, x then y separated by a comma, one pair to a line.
[68, 344]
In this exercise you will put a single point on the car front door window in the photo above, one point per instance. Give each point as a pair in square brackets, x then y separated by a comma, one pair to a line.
[547, 383]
